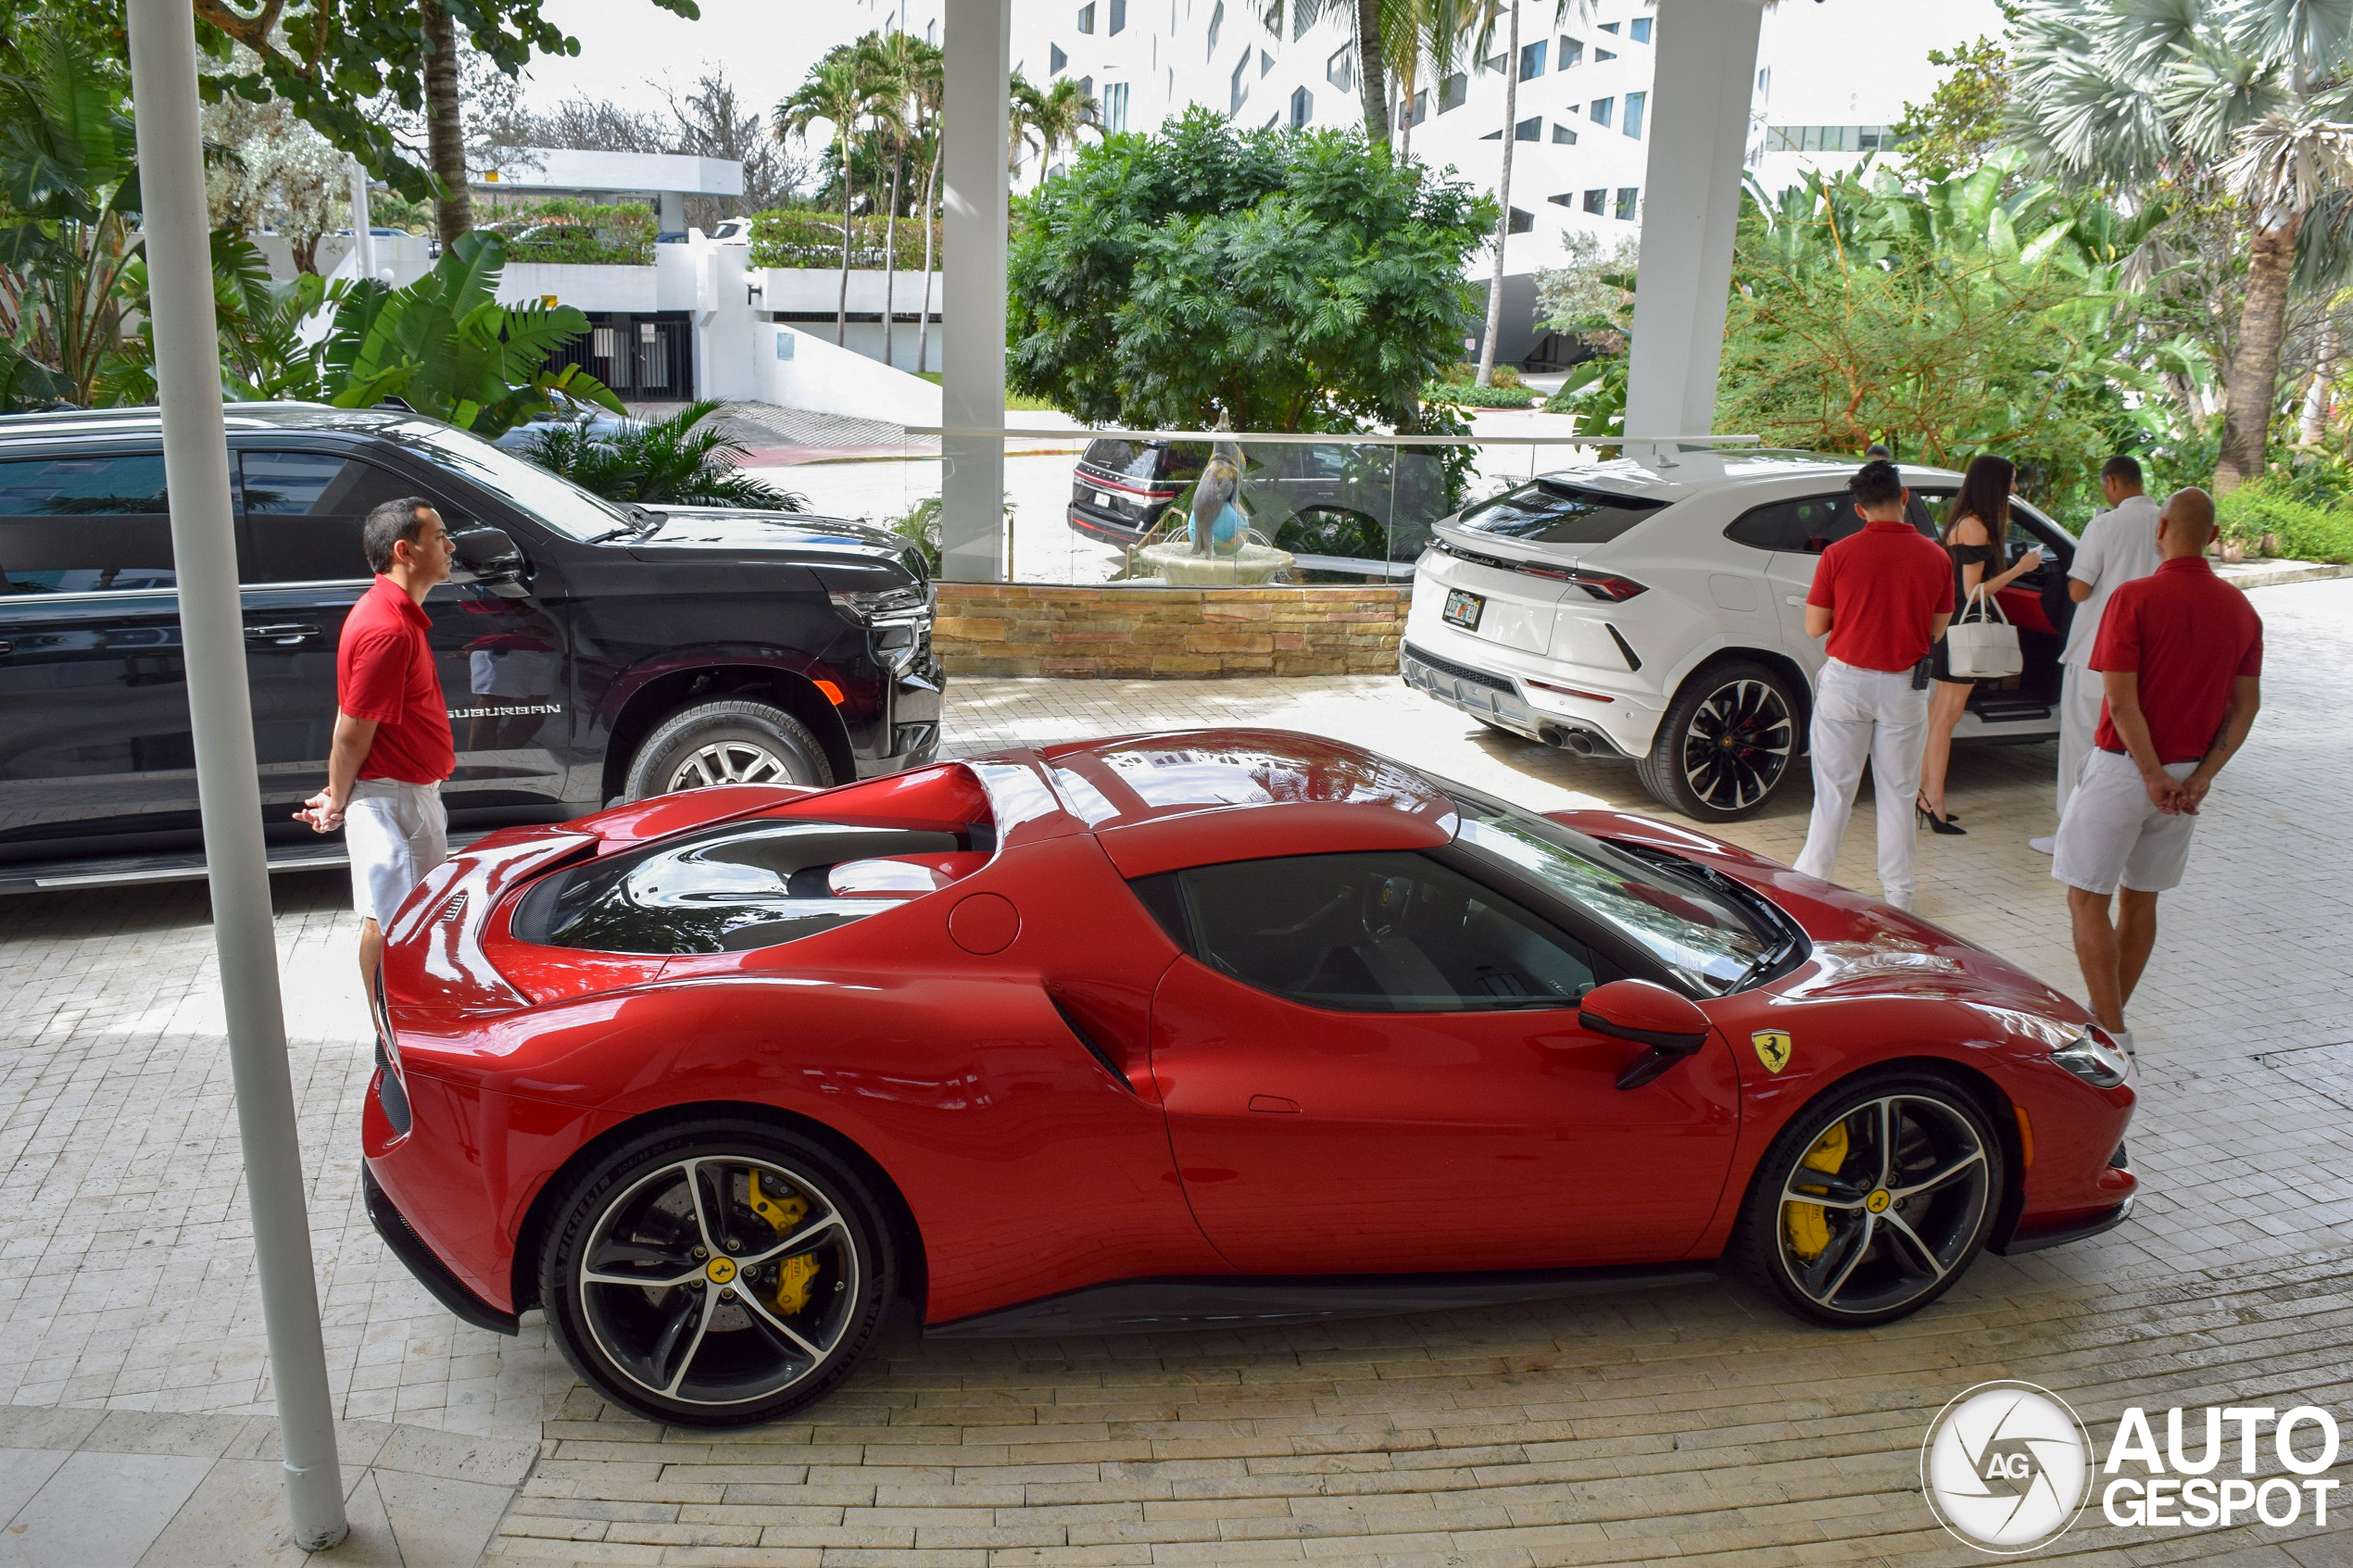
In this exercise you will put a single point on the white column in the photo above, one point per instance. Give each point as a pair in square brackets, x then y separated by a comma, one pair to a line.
[363, 233]
[195, 465]
[1704, 80]
[978, 46]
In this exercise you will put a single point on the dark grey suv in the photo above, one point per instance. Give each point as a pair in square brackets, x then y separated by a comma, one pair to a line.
[587, 651]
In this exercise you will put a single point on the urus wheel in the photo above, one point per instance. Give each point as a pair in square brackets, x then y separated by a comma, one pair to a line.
[1724, 743]
[723, 743]
[1872, 1202]
[716, 1274]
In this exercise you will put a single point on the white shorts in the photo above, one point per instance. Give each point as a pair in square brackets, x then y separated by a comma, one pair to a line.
[2111, 832]
[395, 833]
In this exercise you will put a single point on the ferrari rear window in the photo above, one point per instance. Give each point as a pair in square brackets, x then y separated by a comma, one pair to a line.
[746, 885]
[1552, 511]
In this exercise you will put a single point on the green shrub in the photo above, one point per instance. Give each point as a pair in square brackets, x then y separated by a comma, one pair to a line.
[1470, 394]
[798, 237]
[2305, 531]
[593, 233]
[1464, 373]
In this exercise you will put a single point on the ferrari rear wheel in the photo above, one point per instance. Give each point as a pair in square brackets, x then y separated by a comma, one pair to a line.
[1872, 1202]
[716, 1274]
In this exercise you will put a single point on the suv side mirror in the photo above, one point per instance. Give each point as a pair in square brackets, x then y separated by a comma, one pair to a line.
[490, 557]
[1648, 1014]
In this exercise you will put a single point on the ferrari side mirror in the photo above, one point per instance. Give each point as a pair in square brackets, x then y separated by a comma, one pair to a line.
[1648, 1014]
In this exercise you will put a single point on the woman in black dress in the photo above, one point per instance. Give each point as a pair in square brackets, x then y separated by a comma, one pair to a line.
[1975, 525]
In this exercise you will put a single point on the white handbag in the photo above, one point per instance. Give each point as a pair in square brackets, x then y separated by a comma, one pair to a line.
[1983, 645]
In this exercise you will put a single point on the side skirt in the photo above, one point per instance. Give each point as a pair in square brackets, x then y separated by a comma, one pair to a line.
[1155, 1305]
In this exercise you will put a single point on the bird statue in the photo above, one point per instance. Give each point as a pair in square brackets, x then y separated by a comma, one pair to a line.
[1216, 520]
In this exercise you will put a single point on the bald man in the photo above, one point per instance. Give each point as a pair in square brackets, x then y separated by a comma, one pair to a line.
[2180, 656]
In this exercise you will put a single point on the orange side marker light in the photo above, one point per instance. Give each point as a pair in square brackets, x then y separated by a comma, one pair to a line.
[2025, 1137]
[833, 692]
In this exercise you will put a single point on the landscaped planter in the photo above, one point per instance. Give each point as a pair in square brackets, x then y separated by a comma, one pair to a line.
[1030, 629]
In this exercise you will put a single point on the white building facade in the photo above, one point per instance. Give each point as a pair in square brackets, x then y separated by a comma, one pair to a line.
[1833, 75]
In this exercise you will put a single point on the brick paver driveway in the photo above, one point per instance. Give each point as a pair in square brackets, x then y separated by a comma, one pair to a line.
[1692, 1422]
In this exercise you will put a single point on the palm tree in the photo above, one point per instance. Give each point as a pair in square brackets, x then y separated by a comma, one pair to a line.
[1021, 121]
[891, 61]
[1058, 114]
[927, 90]
[1503, 181]
[840, 93]
[2251, 99]
[1374, 21]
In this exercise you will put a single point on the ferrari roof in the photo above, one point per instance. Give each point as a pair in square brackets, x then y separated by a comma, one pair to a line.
[1157, 802]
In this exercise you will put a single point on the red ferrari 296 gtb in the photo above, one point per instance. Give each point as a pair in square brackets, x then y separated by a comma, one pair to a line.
[1223, 1025]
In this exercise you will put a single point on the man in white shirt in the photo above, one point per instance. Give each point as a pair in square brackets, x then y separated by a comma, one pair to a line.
[2118, 546]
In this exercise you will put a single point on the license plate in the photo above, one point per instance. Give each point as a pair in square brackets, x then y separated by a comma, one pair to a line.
[1463, 610]
[1102, 498]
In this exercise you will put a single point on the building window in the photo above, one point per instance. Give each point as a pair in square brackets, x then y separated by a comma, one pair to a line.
[1452, 91]
[1087, 18]
[1421, 107]
[1532, 60]
[1601, 53]
[1266, 62]
[1118, 15]
[1572, 51]
[1609, 27]
[1085, 86]
[1626, 194]
[1302, 107]
[1242, 86]
[1056, 59]
[1521, 223]
[1530, 129]
[1216, 21]
[1302, 19]
[1340, 69]
[1116, 105]
[1596, 201]
[1634, 102]
[1601, 109]
[1872, 139]
[1638, 30]
[1565, 198]
[1494, 62]
[1563, 136]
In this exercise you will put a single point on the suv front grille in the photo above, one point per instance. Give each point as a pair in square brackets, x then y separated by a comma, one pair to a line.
[1461, 672]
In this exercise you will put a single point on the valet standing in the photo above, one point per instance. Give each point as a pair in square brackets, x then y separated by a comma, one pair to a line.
[1882, 597]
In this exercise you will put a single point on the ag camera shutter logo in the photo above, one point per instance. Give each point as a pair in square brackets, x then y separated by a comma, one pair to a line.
[2006, 1467]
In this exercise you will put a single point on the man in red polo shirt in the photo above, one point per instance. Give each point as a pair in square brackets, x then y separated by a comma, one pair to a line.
[392, 746]
[2181, 655]
[1883, 595]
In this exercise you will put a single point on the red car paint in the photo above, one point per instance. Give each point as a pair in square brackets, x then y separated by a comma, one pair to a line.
[1233, 1132]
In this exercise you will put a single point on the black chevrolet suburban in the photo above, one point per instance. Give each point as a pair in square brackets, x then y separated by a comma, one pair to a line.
[588, 651]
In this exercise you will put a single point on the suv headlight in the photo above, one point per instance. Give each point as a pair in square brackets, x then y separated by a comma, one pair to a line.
[2088, 1055]
[897, 621]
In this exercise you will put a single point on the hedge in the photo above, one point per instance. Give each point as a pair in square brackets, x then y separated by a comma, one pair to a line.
[1473, 395]
[800, 237]
[580, 233]
[2305, 531]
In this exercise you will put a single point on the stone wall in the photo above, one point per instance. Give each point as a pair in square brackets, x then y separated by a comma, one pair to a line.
[1029, 629]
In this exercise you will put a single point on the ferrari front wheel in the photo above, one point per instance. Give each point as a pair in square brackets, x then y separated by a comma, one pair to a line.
[1873, 1201]
[717, 1273]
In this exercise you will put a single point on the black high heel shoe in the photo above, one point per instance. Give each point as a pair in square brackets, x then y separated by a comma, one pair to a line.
[1933, 823]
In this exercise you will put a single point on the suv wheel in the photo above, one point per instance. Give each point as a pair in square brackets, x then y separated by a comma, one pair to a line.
[724, 743]
[717, 1273]
[1726, 744]
[1872, 1203]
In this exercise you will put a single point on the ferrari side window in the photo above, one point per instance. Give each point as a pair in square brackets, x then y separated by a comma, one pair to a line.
[1388, 932]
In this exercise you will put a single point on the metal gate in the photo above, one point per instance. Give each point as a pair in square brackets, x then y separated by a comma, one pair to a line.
[648, 357]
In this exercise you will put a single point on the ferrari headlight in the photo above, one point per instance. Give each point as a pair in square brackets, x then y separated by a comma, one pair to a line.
[2089, 1057]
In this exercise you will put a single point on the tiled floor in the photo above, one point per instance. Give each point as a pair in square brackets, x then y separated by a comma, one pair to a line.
[1694, 1422]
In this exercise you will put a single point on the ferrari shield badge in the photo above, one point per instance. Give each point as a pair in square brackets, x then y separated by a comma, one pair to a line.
[1772, 1049]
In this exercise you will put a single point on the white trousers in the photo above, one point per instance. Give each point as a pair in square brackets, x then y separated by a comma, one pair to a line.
[2081, 690]
[395, 833]
[1873, 714]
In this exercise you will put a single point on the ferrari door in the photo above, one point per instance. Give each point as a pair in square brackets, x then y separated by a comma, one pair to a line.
[1372, 1063]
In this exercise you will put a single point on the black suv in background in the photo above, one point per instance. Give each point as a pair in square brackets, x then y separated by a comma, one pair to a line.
[1347, 512]
[587, 651]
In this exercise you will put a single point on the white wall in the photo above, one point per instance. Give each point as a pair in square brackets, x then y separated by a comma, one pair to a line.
[582, 285]
[800, 370]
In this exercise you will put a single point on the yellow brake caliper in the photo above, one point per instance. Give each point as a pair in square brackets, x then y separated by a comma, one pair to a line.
[795, 1274]
[1809, 1224]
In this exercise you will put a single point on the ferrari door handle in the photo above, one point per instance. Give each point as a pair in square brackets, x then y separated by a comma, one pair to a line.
[1798, 599]
[1274, 1105]
[284, 636]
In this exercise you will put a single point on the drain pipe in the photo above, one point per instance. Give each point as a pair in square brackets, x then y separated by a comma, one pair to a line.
[196, 458]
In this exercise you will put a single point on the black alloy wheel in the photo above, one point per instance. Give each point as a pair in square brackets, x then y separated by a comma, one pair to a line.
[1872, 1202]
[1725, 745]
[727, 742]
[716, 1274]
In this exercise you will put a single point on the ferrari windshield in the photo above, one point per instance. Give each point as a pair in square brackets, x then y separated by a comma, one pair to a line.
[1699, 935]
